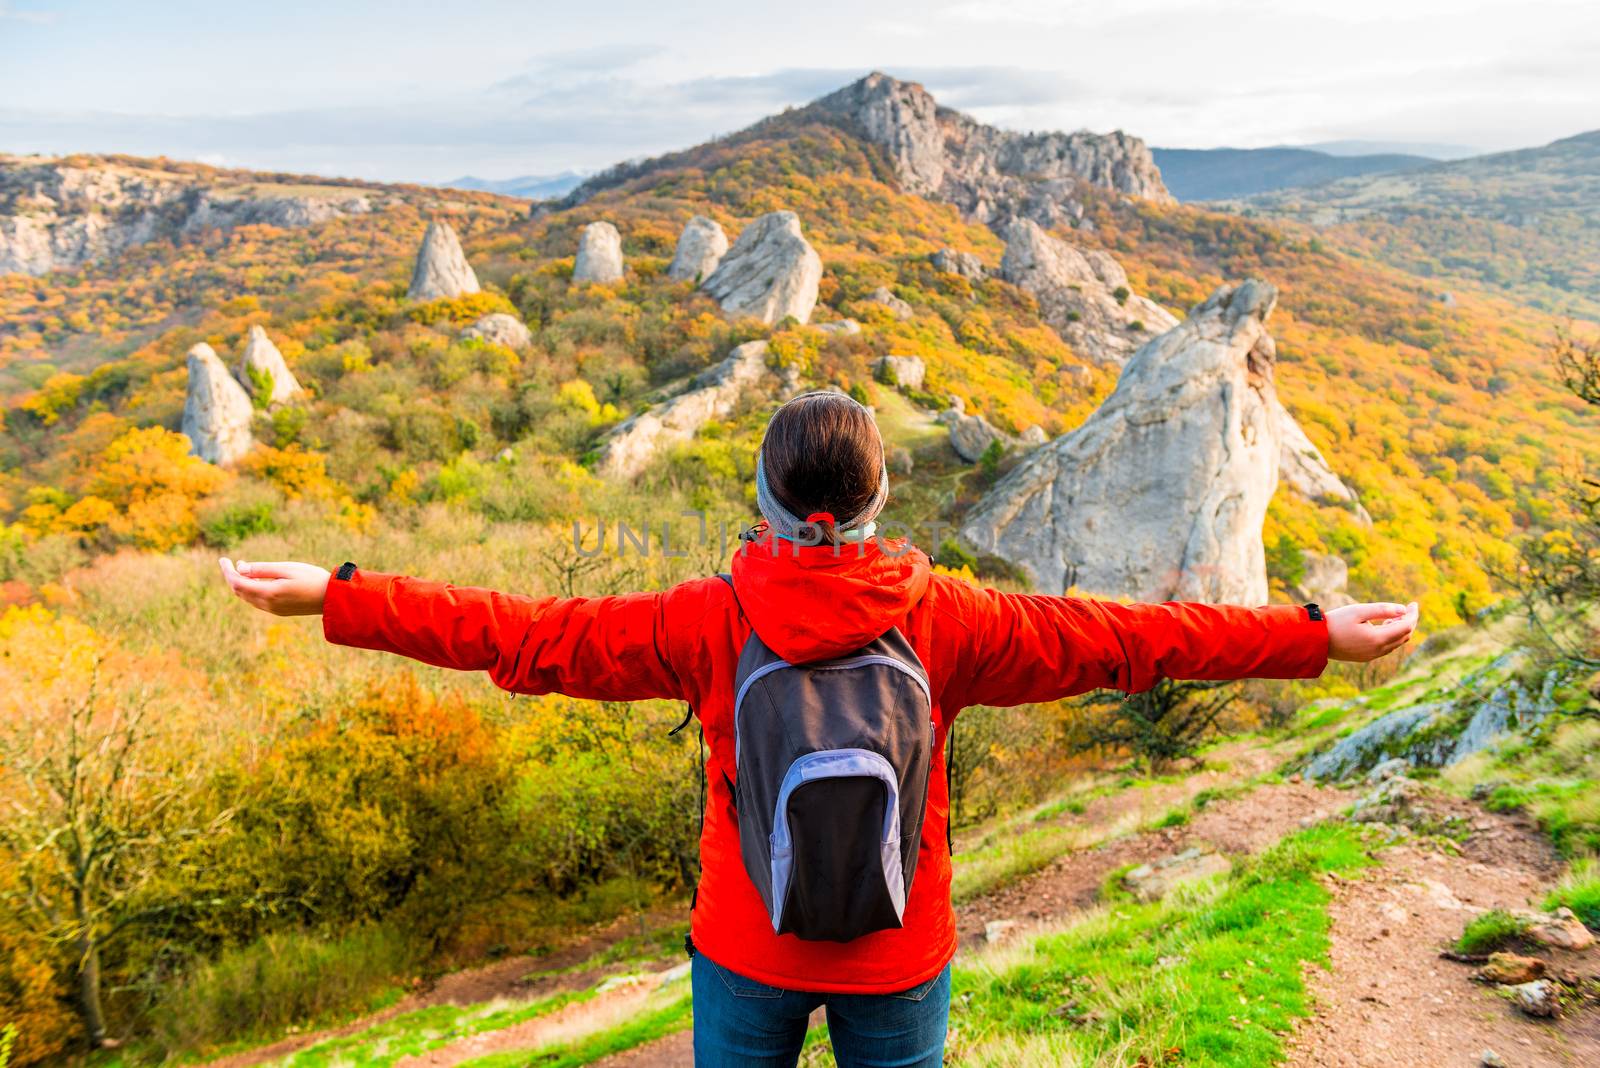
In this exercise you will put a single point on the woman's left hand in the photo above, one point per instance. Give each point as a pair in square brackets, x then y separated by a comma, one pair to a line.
[284, 589]
[1362, 632]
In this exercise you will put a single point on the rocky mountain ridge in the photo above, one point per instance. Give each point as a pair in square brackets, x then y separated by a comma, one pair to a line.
[991, 175]
[62, 212]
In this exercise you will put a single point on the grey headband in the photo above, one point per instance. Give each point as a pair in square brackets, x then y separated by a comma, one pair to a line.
[785, 523]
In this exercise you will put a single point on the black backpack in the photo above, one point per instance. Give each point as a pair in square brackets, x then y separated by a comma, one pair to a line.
[832, 761]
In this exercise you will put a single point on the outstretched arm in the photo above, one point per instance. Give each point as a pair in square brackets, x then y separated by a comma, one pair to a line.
[605, 648]
[1030, 648]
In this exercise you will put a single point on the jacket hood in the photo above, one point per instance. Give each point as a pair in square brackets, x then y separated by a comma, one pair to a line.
[813, 602]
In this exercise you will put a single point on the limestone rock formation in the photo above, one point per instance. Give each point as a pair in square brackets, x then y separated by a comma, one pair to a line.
[262, 363]
[599, 255]
[908, 372]
[1083, 294]
[954, 261]
[1324, 581]
[847, 327]
[897, 307]
[701, 247]
[61, 213]
[442, 269]
[1304, 469]
[770, 273]
[1034, 436]
[713, 394]
[500, 328]
[216, 411]
[1161, 493]
[987, 173]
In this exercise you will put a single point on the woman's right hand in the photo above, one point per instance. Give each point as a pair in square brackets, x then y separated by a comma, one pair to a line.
[284, 589]
[1363, 632]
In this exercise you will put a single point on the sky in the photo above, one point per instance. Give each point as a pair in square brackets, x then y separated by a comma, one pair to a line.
[428, 91]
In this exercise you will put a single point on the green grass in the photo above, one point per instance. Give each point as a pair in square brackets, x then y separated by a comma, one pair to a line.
[1580, 892]
[1213, 973]
[1553, 775]
[1489, 932]
[425, 1029]
[646, 1027]
[1174, 818]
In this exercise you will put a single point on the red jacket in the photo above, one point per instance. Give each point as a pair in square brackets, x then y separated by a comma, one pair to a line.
[979, 646]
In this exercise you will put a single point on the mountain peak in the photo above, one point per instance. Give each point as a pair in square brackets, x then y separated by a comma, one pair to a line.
[991, 175]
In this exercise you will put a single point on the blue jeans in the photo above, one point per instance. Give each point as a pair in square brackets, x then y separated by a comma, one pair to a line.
[740, 1022]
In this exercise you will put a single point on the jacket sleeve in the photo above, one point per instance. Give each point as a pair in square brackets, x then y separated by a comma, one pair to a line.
[1022, 648]
[603, 648]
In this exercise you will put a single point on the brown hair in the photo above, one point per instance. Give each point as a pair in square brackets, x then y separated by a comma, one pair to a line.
[822, 453]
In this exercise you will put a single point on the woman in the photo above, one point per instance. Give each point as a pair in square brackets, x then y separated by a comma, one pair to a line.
[809, 591]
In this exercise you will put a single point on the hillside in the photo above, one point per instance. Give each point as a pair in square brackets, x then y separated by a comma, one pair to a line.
[1525, 222]
[309, 830]
[1222, 173]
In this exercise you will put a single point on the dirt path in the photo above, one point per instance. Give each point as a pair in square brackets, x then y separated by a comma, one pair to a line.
[1072, 882]
[1390, 999]
[519, 978]
[607, 1009]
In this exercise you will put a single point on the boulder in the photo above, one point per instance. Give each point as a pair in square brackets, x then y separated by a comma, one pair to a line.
[1304, 469]
[442, 270]
[899, 460]
[1538, 998]
[500, 328]
[999, 930]
[599, 255]
[1388, 770]
[1324, 581]
[971, 435]
[263, 362]
[713, 394]
[216, 411]
[1393, 801]
[771, 273]
[897, 307]
[700, 248]
[954, 261]
[1151, 882]
[1510, 969]
[847, 327]
[1034, 436]
[1161, 493]
[1082, 294]
[1562, 931]
[908, 372]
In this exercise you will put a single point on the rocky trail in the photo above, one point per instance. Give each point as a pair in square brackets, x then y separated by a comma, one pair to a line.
[1389, 998]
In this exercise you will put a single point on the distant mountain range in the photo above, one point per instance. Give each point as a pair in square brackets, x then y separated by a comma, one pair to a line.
[1224, 173]
[531, 186]
[1526, 221]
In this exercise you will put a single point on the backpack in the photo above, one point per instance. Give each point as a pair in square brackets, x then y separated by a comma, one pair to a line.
[831, 784]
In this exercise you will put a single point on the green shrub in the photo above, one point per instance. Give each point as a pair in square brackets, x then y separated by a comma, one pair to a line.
[286, 978]
[1490, 932]
[1580, 892]
[229, 526]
